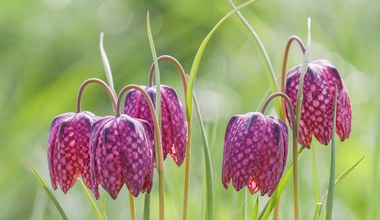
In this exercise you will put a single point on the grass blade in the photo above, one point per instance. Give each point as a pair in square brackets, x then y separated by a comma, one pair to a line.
[50, 194]
[198, 57]
[92, 202]
[256, 209]
[317, 212]
[209, 206]
[330, 196]
[261, 48]
[348, 171]
[317, 192]
[272, 201]
[106, 65]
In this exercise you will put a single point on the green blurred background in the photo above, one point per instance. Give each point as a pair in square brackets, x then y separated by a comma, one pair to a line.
[48, 48]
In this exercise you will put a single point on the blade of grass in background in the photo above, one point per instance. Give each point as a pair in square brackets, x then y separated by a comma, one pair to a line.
[209, 206]
[330, 196]
[263, 52]
[348, 171]
[198, 57]
[50, 194]
[317, 212]
[317, 192]
[88, 196]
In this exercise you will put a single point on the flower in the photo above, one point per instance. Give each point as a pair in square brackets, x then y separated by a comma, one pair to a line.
[255, 152]
[174, 123]
[68, 149]
[121, 152]
[320, 82]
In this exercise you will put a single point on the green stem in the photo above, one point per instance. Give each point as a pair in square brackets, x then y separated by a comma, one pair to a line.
[158, 141]
[330, 196]
[298, 117]
[146, 207]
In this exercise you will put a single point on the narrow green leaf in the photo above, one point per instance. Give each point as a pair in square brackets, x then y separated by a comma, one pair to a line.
[209, 205]
[103, 208]
[146, 215]
[50, 194]
[272, 201]
[156, 69]
[158, 100]
[348, 171]
[92, 202]
[263, 53]
[198, 57]
[106, 65]
[330, 195]
[317, 212]
[256, 209]
[317, 192]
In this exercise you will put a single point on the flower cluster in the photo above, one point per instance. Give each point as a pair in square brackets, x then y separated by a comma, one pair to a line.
[114, 150]
[255, 147]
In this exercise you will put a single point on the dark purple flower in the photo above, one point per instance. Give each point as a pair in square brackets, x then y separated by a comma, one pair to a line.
[320, 82]
[174, 123]
[255, 152]
[121, 152]
[68, 149]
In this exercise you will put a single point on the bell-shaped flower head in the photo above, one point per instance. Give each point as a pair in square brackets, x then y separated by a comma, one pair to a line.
[68, 149]
[255, 152]
[317, 110]
[121, 153]
[174, 123]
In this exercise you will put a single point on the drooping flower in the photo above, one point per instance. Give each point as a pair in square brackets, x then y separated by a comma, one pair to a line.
[121, 153]
[68, 149]
[255, 152]
[174, 123]
[320, 82]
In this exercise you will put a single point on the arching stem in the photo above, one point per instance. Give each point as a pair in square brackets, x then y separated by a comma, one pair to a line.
[158, 145]
[177, 64]
[284, 64]
[102, 84]
[295, 145]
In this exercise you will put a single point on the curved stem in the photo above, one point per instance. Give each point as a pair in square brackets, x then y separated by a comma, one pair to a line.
[284, 63]
[294, 123]
[102, 84]
[132, 206]
[209, 179]
[288, 102]
[174, 61]
[158, 145]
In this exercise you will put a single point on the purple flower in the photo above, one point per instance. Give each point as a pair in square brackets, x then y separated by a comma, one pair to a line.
[68, 149]
[121, 152]
[255, 152]
[320, 82]
[174, 123]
